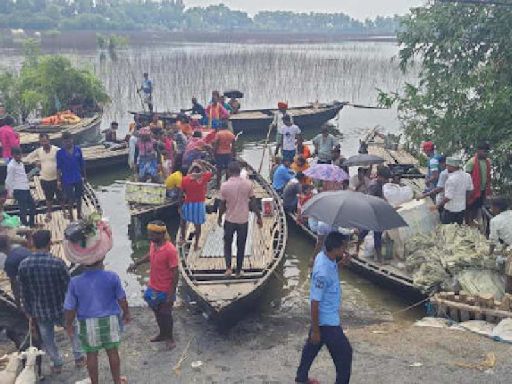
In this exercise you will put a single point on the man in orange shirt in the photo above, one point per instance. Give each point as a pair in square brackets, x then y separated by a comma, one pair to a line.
[303, 149]
[163, 280]
[299, 166]
[224, 150]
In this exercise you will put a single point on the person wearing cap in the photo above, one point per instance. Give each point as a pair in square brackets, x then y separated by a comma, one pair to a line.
[433, 168]
[163, 280]
[456, 189]
[481, 177]
[282, 110]
[147, 89]
[324, 144]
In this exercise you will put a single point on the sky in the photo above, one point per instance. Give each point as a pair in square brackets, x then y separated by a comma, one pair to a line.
[360, 9]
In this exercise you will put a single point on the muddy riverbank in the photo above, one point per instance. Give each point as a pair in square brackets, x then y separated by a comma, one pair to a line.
[384, 352]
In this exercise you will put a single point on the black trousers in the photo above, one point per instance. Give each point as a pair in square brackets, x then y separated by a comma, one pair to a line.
[163, 316]
[449, 217]
[339, 348]
[241, 238]
[27, 206]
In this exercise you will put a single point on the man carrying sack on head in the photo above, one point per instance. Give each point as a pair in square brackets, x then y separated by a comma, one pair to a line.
[163, 280]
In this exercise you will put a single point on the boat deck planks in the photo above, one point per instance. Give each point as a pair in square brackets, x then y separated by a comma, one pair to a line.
[203, 270]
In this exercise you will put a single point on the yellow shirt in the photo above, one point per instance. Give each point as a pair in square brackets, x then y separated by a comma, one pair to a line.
[174, 180]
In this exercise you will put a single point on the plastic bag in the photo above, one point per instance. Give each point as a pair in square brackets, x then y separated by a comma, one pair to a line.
[397, 195]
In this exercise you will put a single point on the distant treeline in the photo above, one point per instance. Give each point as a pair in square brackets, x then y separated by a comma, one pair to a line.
[171, 15]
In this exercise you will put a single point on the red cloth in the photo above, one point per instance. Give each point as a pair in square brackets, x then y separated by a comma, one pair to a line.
[477, 180]
[195, 190]
[162, 261]
[282, 105]
[9, 139]
[428, 146]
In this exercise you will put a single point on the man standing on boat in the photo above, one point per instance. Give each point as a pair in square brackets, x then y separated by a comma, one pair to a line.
[324, 144]
[282, 111]
[198, 109]
[147, 89]
[325, 297]
[45, 158]
[17, 185]
[289, 132]
[71, 174]
[456, 189]
[224, 149]
[434, 167]
[237, 199]
[479, 167]
[163, 280]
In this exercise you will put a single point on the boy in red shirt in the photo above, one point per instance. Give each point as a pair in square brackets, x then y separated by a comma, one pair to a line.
[163, 280]
[194, 187]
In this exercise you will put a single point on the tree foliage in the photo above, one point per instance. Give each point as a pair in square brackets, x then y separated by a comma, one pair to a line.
[171, 15]
[51, 82]
[464, 93]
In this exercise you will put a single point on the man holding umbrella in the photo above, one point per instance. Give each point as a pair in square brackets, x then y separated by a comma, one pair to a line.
[325, 296]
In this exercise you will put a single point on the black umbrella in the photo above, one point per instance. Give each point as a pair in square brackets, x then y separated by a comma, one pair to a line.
[362, 160]
[349, 209]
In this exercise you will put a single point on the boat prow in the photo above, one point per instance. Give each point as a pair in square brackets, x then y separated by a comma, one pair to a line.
[224, 299]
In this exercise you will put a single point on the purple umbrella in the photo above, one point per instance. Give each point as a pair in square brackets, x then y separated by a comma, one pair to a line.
[326, 172]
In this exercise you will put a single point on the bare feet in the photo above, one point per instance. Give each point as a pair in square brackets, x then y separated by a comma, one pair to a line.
[124, 380]
[239, 273]
[228, 272]
[48, 217]
[171, 344]
[158, 339]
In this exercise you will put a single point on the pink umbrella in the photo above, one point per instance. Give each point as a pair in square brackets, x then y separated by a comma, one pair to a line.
[326, 172]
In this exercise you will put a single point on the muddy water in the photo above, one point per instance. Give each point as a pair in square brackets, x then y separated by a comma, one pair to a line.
[265, 73]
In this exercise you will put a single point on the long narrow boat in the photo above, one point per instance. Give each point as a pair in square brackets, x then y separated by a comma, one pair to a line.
[256, 121]
[87, 131]
[97, 158]
[388, 275]
[223, 298]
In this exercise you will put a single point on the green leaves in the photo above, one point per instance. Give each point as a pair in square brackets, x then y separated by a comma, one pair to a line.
[464, 90]
[48, 81]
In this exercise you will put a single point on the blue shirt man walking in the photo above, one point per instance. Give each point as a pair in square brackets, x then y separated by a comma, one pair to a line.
[325, 297]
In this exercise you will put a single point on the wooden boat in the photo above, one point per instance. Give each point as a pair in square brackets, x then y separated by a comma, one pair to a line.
[57, 225]
[86, 131]
[97, 158]
[222, 298]
[258, 120]
[463, 307]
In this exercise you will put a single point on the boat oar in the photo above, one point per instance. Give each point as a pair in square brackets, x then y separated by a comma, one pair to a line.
[365, 106]
[138, 91]
[265, 146]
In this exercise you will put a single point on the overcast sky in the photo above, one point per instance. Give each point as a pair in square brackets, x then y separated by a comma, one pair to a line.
[360, 9]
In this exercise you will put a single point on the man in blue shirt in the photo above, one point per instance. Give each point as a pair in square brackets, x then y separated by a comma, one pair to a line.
[147, 88]
[96, 298]
[434, 166]
[282, 175]
[71, 173]
[325, 296]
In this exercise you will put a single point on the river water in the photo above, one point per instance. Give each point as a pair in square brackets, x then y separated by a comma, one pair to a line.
[266, 74]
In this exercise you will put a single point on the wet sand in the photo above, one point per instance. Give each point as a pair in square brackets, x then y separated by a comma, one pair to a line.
[266, 349]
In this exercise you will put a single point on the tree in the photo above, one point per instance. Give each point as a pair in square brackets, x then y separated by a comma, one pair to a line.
[464, 91]
[51, 81]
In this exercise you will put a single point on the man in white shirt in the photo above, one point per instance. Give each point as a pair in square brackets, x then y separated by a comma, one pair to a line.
[17, 186]
[278, 122]
[360, 182]
[289, 132]
[45, 158]
[456, 189]
[501, 234]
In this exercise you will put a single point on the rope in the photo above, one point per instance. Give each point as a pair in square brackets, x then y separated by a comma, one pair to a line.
[411, 306]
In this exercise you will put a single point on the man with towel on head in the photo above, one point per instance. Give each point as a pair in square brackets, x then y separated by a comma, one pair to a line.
[163, 280]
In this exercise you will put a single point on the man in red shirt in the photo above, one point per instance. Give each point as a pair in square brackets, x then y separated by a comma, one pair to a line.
[224, 149]
[194, 187]
[163, 280]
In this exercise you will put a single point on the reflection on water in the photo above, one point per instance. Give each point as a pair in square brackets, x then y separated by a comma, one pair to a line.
[265, 73]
